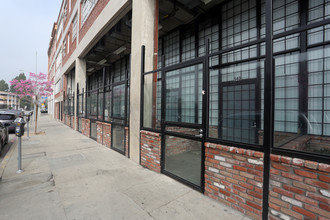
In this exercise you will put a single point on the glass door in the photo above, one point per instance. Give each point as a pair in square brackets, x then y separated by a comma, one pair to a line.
[182, 151]
[118, 118]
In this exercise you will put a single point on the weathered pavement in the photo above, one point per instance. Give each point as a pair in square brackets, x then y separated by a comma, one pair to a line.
[69, 176]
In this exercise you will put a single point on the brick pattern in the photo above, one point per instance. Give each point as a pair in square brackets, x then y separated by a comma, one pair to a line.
[99, 132]
[299, 189]
[126, 142]
[107, 135]
[100, 5]
[234, 176]
[68, 120]
[86, 127]
[150, 150]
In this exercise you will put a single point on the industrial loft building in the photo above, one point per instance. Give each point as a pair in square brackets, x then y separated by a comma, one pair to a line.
[229, 97]
[8, 100]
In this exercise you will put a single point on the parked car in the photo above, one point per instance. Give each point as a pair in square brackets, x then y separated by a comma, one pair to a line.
[44, 110]
[7, 118]
[4, 136]
[18, 113]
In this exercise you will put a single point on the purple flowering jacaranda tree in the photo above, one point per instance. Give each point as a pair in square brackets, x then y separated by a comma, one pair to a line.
[35, 86]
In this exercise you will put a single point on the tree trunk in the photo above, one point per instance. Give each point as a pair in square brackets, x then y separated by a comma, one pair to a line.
[36, 117]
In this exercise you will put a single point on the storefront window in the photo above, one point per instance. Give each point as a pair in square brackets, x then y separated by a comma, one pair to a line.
[119, 101]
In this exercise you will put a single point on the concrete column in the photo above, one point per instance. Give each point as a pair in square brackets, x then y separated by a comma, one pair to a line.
[80, 77]
[142, 34]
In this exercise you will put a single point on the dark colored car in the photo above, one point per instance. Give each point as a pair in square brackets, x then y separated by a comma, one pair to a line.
[7, 118]
[18, 113]
[43, 111]
[4, 136]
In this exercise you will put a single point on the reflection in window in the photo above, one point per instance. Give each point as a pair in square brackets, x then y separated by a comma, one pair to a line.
[286, 43]
[184, 95]
[152, 100]
[209, 31]
[188, 46]
[93, 130]
[286, 97]
[238, 115]
[99, 91]
[318, 35]
[319, 91]
[236, 90]
[318, 10]
[184, 159]
[107, 105]
[81, 107]
[285, 15]
[118, 138]
[119, 101]
[239, 23]
[100, 105]
[172, 48]
[93, 104]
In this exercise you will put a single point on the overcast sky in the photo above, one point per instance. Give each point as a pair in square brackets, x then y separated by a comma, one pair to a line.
[26, 27]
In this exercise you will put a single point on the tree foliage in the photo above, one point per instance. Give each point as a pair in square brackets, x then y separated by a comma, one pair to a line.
[35, 87]
[4, 86]
[20, 77]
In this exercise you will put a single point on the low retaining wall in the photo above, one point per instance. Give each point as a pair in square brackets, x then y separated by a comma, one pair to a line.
[150, 150]
[234, 176]
[298, 189]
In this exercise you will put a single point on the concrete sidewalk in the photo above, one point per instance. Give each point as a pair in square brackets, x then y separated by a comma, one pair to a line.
[69, 176]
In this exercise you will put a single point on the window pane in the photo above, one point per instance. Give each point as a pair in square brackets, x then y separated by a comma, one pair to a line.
[119, 101]
[286, 16]
[184, 94]
[93, 105]
[238, 118]
[93, 130]
[118, 137]
[172, 48]
[100, 105]
[296, 128]
[183, 158]
[239, 23]
[107, 105]
[152, 100]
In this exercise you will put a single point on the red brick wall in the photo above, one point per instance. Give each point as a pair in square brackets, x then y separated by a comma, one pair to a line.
[299, 189]
[86, 127]
[99, 132]
[67, 120]
[107, 134]
[150, 150]
[234, 176]
[100, 5]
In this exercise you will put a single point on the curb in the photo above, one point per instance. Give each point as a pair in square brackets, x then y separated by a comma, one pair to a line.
[5, 160]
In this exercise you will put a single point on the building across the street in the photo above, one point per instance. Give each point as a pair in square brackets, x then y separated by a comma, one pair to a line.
[9, 100]
[231, 97]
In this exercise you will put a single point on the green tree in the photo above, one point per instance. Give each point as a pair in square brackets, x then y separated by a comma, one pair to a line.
[3, 86]
[20, 77]
[26, 101]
